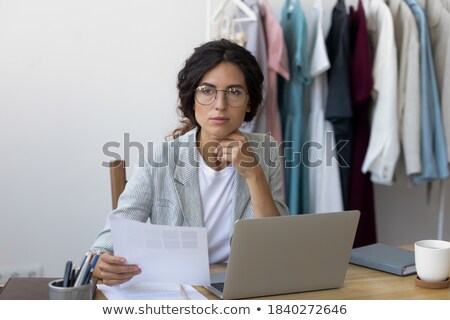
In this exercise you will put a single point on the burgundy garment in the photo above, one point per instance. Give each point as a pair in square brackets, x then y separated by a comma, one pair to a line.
[361, 196]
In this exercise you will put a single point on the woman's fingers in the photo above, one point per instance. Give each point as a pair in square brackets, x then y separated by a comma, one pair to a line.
[114, 270]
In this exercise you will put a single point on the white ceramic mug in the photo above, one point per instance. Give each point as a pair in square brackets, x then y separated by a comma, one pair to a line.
[432, 260]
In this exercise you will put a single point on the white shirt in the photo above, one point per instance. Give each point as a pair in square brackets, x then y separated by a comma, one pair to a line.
[324, 180]
[215, 191]
[384, 145]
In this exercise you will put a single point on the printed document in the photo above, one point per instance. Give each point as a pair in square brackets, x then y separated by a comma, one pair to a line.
[165, 254]
[150, 291]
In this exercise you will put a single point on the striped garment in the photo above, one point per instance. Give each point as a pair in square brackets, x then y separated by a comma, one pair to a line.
[165, 190]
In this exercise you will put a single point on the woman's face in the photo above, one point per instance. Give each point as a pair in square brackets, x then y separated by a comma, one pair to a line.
[218, 119]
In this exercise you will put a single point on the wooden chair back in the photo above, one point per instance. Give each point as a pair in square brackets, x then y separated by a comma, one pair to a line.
[118, 180]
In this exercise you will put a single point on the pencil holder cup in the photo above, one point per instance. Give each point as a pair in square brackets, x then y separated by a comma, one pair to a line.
[56, 291]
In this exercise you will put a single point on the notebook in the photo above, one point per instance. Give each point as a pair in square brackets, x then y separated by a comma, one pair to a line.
[385, 258]
[281, 255]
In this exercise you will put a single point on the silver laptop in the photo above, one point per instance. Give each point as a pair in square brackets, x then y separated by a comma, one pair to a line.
[280, 255]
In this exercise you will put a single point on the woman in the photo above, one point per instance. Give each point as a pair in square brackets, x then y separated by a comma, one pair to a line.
[210, 174]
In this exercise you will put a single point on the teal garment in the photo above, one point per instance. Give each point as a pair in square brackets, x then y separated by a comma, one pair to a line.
[434, 148]
[293, 110]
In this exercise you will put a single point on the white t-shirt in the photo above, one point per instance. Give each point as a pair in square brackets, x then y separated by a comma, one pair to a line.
[324, 180]
[215, 191]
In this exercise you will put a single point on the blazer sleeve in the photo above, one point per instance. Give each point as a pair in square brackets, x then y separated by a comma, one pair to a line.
[135, 203]
[276, 179]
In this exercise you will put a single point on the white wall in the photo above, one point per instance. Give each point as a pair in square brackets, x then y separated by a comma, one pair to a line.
[75, 75]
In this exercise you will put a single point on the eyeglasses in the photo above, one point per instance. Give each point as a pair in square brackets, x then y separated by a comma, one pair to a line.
[235, 97]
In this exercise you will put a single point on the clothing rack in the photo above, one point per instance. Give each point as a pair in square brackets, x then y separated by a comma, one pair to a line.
[212, 8]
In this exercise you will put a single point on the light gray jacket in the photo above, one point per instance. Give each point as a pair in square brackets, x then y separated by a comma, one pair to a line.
[166, 190]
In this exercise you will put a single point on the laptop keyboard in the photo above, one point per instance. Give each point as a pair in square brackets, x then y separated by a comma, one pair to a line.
[218, 285]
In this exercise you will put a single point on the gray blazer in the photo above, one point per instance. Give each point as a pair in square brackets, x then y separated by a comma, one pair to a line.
[165, 190]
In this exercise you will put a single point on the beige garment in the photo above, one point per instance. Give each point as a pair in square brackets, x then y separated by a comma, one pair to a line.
[409, 107]
[439, 25]
[383, 150]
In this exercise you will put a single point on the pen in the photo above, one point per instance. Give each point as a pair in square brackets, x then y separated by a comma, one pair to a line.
[94, 261]
[183, 293]
[77, 272]
[89, 275]
[84, 270]
[72, 276]
[67, 274]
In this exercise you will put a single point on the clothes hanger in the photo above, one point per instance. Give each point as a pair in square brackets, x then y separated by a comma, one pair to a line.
[351, 3]
[221, 25]
[354, 4]
[249, 14]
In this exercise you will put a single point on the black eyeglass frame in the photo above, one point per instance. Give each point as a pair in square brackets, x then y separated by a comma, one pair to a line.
[226, 92]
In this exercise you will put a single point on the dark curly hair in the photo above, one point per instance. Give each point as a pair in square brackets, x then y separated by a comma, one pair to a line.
[205, 58]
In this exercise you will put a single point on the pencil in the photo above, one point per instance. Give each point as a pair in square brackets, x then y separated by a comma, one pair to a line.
[183, 293]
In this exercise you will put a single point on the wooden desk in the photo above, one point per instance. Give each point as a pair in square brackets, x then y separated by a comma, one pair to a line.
[360, 284]
[26, 288]
[367, 284]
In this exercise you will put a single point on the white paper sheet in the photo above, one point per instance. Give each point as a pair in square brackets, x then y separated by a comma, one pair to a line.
[165, 254]
[150, 291]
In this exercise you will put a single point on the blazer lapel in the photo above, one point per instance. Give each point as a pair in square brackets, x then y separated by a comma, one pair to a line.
[241, 197]
[186, 179]
[241, 194]
[187, 184]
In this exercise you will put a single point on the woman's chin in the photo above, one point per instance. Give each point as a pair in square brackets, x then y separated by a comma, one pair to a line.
[218, 135]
